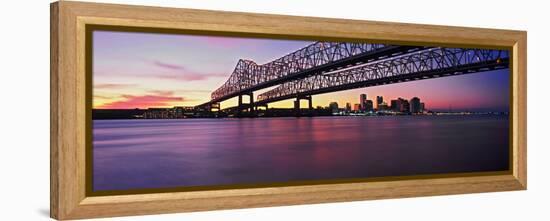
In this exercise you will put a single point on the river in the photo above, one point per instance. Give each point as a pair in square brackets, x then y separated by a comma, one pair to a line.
[141, 154]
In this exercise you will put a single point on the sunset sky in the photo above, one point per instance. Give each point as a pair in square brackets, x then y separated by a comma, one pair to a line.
[142, 70]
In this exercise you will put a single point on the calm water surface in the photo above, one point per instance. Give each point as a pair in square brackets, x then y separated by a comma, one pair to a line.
[137, 154]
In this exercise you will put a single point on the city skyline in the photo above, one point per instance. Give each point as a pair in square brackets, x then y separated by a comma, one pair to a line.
[144, 70]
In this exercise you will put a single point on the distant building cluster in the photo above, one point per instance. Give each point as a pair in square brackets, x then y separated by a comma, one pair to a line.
[413, 106]
[397, 106]
[364, 107]
[169, 113]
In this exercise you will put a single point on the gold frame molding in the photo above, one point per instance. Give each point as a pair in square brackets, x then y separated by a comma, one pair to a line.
[69, 108]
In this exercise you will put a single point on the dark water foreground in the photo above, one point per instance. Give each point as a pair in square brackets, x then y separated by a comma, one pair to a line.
[136, 154]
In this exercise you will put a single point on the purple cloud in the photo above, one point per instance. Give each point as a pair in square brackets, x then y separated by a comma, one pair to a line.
[168, 65]
[182, 73]
[191, 76]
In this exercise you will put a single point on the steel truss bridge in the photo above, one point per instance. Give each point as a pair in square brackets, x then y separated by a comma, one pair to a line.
[324, 67]
[319, 57]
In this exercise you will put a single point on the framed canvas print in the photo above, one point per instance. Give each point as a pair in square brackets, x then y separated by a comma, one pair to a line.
[160, 110]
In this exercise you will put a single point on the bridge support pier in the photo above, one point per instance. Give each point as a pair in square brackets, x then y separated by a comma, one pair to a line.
[251, 104]
[249, 107]
[215, 106]
[297, 105]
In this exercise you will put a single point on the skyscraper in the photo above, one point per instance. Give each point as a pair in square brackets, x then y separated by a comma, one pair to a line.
[333, 107]
[356, 107]
[396, 105]
[369, 106]
[400, 105]
[348, 107]
[363, 102]
[405, 106]
[379, 101]
[415, 105]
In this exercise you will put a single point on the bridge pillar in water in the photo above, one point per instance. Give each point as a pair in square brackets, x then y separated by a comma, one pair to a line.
[249, 107]
[297, 107]
[251, 104]
[215, 106]
[239, 105]
[297, 110]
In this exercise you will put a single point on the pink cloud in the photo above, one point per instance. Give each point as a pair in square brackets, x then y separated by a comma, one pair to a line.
[164, 99]
[199, 91]
[112, 86]
[161, 92]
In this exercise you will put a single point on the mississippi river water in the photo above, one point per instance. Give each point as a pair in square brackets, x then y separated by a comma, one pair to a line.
[139, 154]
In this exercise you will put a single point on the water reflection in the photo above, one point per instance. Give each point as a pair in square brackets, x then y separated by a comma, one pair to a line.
[136, 154]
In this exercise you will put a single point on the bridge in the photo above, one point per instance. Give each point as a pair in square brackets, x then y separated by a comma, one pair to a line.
[325, 67]
[318, 57]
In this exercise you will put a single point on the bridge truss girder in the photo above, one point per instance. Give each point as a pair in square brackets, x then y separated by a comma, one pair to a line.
[429, 63]
[249, 76]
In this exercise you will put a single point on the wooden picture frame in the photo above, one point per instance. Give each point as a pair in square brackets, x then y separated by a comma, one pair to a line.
[69, 198]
